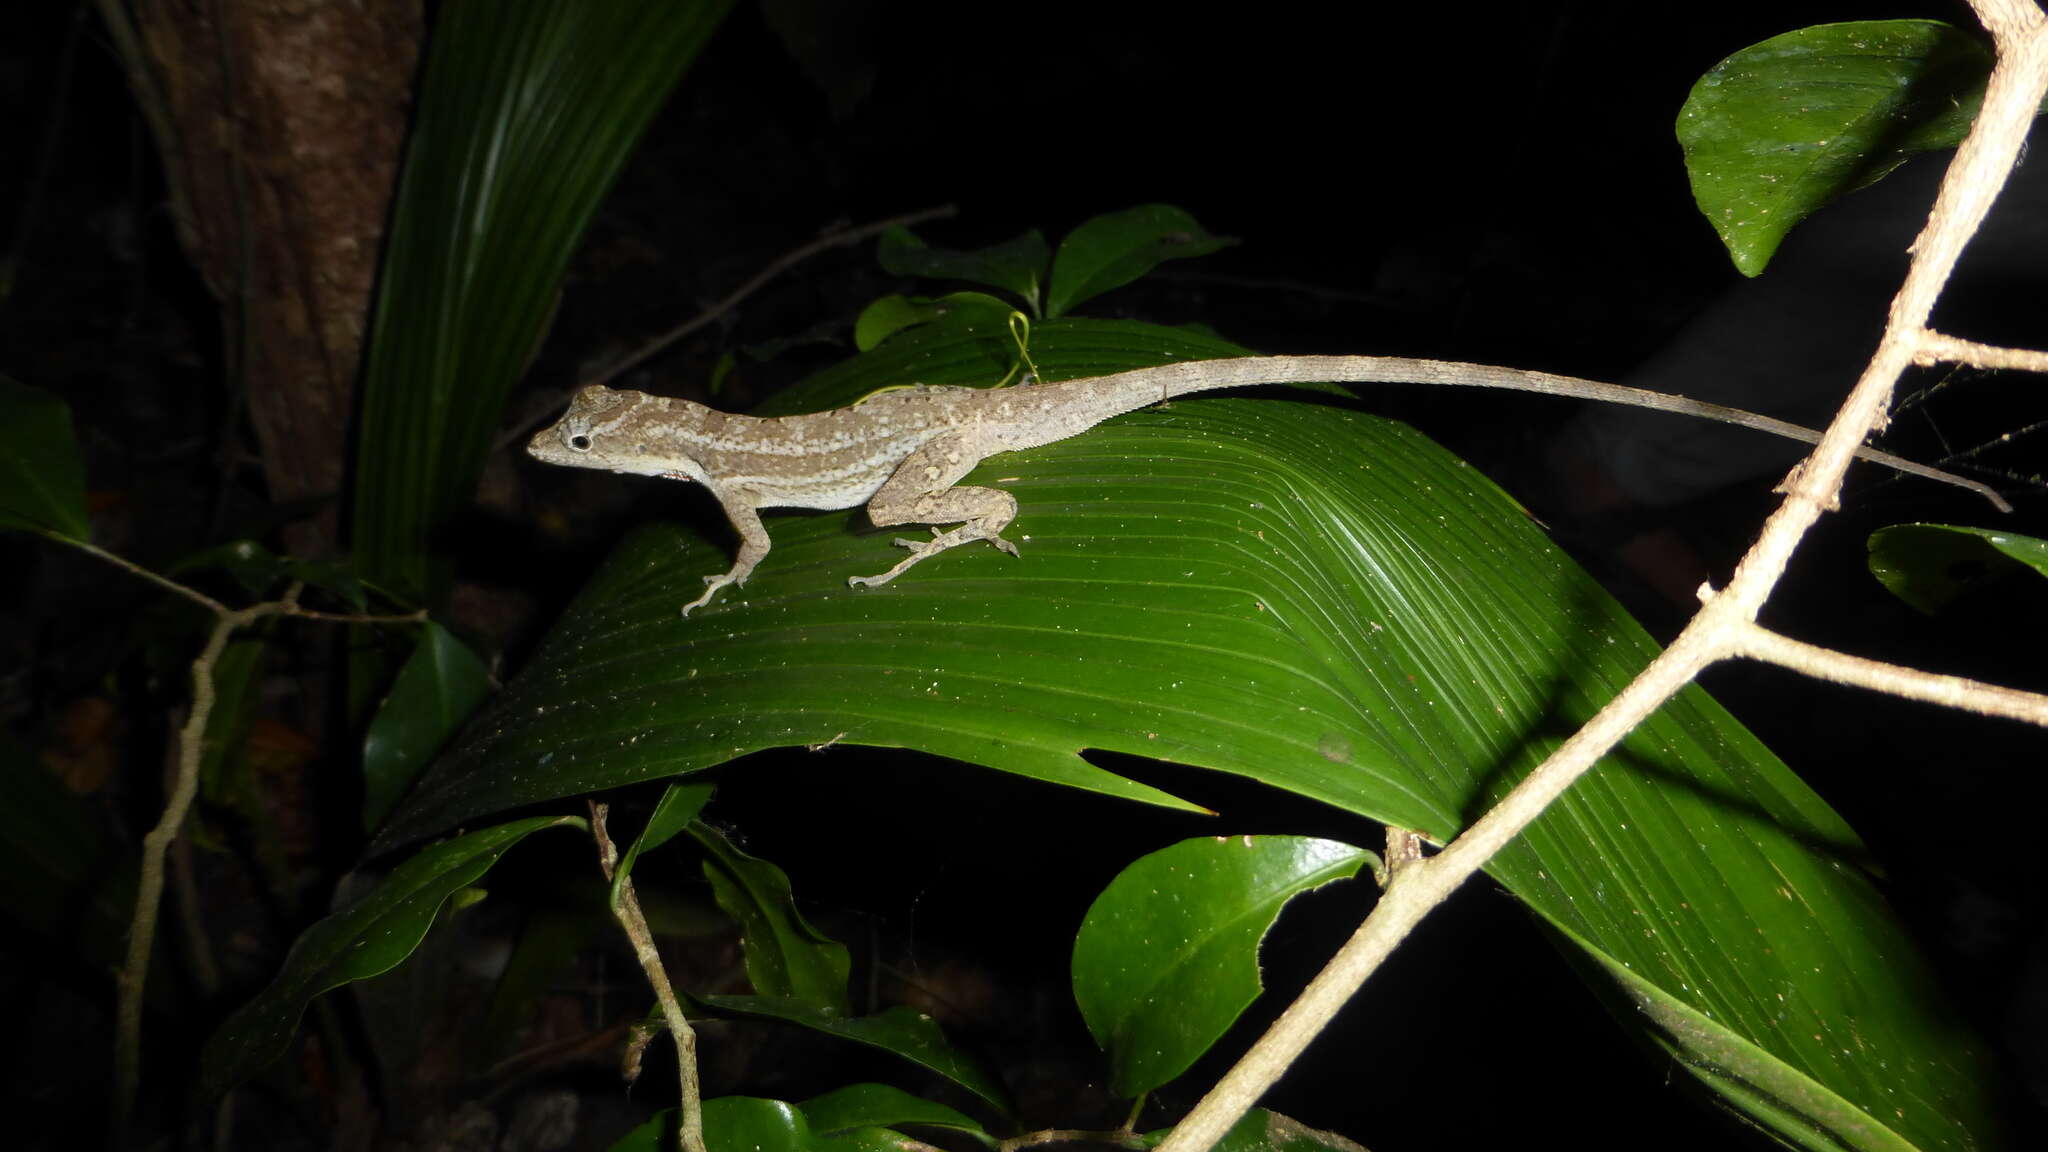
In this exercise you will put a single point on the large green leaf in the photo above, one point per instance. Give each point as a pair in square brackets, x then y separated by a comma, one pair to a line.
[1781, 128]
[527, 110]
[365, 939]
[1285, 589]
[1168, 955]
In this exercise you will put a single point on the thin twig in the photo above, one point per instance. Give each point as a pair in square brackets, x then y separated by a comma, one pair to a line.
[133, 979]
[1718, 629]
[1120, 1138]
[1759, 643]
[690, 1108]
[1936, 347]
[776, 267]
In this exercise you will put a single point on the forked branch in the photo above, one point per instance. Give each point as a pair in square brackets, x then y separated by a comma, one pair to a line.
[1725, 625]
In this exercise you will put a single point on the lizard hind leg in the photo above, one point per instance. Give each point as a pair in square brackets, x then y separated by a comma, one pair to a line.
[921, 491]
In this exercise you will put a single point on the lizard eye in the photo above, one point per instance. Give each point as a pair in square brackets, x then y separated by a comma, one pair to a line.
[580, 442]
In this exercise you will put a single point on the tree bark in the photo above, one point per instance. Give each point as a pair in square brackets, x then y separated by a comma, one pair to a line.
[279, 124]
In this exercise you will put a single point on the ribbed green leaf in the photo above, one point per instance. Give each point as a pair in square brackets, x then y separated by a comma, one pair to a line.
[1168, 956]
[527, 110]
[1781, 128]
[1285, 589]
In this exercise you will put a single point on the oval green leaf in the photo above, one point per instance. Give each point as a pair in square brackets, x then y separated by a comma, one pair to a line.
[42, 481]
[1930, 566]
[365, 939]
[1168, 956]
[1781, 128]
[1116, 248]
[1277, 587]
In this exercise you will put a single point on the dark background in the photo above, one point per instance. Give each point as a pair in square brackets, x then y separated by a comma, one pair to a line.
[1491, 183]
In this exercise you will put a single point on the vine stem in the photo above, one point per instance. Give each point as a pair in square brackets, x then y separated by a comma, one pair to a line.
[1725, 625]
[690, 1132]
[132, 981]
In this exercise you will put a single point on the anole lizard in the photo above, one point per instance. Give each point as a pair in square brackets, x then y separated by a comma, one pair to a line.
[902, 452]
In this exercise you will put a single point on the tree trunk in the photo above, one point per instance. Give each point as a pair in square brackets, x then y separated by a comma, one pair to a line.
[279, 124]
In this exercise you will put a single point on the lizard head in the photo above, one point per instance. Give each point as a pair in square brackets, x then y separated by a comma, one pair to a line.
[623, 431]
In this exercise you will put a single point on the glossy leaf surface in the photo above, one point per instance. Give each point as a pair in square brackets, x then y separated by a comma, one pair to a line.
[1168, 956]
[1111, 250]
[1783, 127]
[883, 1106]
[1279, 587]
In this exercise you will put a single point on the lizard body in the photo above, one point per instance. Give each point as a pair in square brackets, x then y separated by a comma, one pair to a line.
[903, 452]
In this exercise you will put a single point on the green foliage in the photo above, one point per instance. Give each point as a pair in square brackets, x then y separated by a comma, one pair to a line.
[436, 690]
[527, 111]
[1168, 957]
[365, 939]
[1931, 566]
[1103, 253]
[1112, 250]
[1016, 266]
[678, 806]
[1781, 128]
[42, 482]
[786, 957]
[1290, 591]
[899, 1031]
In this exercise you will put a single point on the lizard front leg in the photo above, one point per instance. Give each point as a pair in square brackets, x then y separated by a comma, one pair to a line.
[921, 491]
[753, 546]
